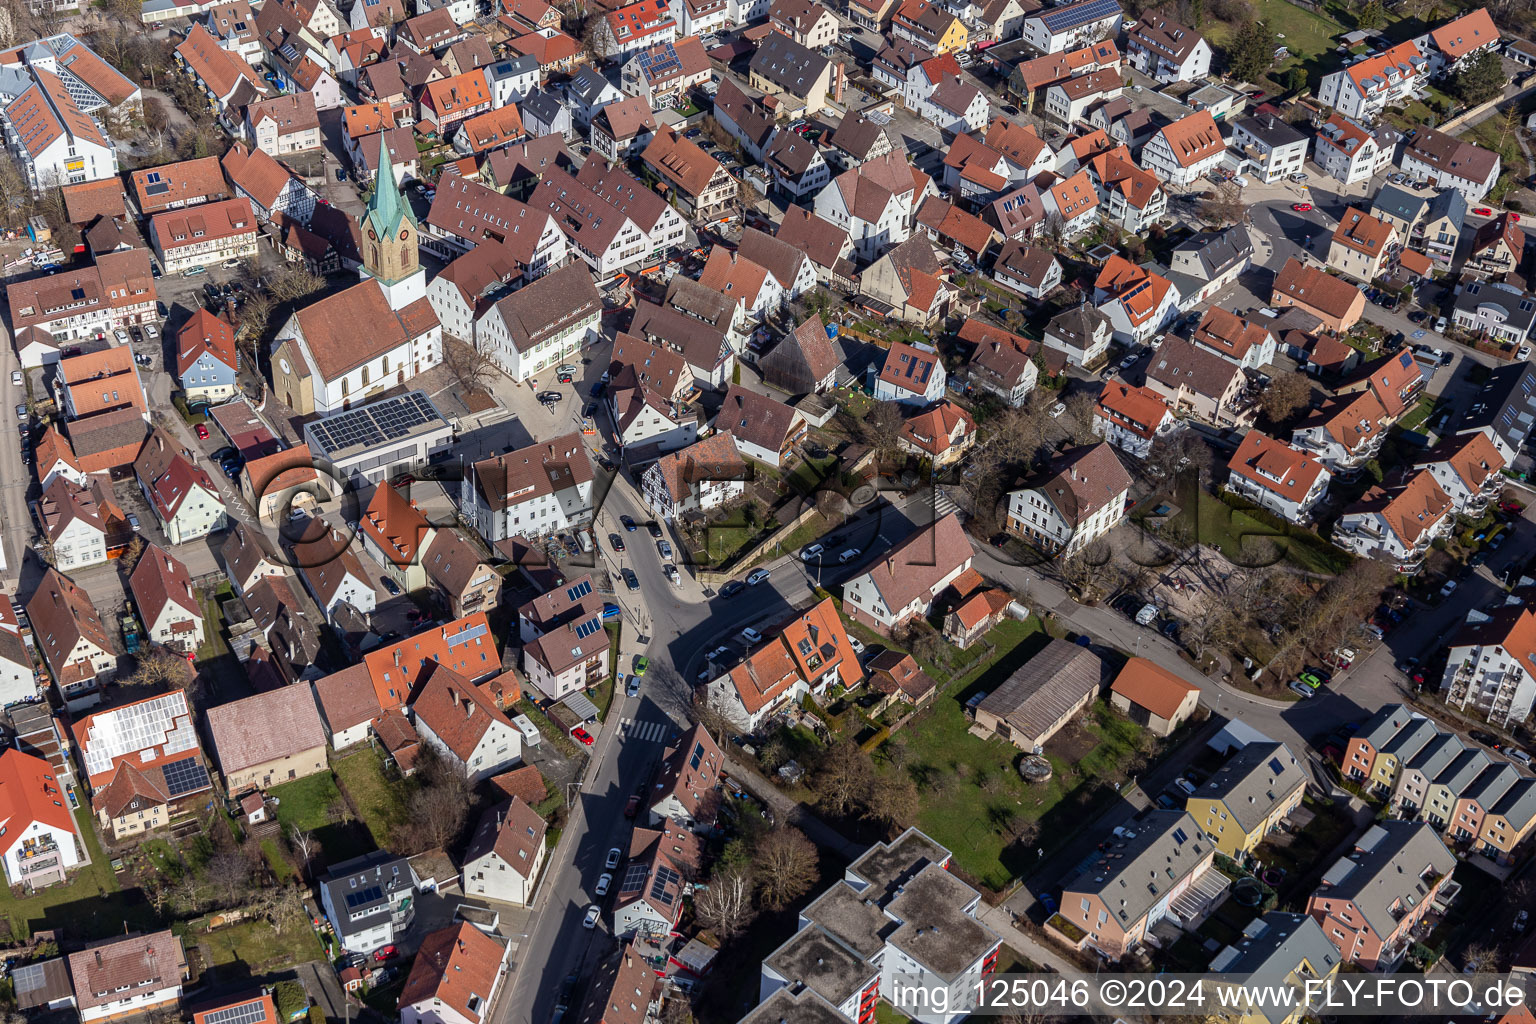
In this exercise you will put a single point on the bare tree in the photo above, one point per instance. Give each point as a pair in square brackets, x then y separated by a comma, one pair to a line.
[292, 283]
[305, 847]
[1481, 959]
[882, 430]
[438, 809]
[725, 907]
[843, 776]
[1082, 408]
[1224, 205]
[1287, 394]
[159, 668]
[468, 366]
[230, 873]
[893, 796]
[131, 555]
[785, 862]
[1087, 573]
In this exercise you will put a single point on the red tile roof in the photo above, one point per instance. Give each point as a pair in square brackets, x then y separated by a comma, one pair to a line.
[1153, 687]
[1275, 466]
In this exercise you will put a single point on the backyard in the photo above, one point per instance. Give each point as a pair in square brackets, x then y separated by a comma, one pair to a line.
[375, 795]
[91, 906]
[314, 804]
[1246, 539]
[259, 946]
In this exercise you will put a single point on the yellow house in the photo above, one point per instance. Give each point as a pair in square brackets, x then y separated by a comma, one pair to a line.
[134, 802]
[1249, 795]
[1277, 946]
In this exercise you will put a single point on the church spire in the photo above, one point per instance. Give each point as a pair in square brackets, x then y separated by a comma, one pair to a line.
[386, 207]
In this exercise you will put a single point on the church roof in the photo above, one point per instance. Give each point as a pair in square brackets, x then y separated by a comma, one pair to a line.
[386, 208]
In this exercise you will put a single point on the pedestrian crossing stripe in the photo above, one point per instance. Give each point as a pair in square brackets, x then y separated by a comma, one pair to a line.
[638, 729]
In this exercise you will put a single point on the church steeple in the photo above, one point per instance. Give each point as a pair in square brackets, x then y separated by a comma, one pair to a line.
[389, 229]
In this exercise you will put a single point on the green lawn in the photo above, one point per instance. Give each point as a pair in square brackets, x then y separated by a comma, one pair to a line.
[971, 797]
[314, 804]
[1245, 540]
[1309, 36]
[806, 478]
[260, 947]
[380, 800]
[214, 645]
[90, 906]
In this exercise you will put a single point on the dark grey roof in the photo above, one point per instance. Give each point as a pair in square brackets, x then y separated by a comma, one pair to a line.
[1166, 848]
[787, 64]
[1516, 309]
[527, 64]
[803, 1006]
[588, 85]
[545, 106]
[1393, 866]
[815, 959]
[1275, 946]
[1217, 251]
[1399, 203]
[1271, 130]
[1450, 204]
[363, 887]
[1506, 404]
[1253, 782]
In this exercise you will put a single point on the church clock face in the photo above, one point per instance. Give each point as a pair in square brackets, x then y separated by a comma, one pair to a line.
[284, 364]
[404, 234]
[371, 236]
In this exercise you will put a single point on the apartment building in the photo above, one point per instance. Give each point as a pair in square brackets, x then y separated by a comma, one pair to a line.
[204, 236]
[1278, 476]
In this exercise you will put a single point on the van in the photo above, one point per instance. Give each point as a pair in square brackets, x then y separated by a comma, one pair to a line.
[528, 729]
[584, 538]
[1519, 757]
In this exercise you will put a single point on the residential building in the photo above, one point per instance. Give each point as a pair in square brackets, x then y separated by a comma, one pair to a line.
[206, 357]
[1068, 102]
[1199, 383]
[1468, 468]
[874, 202]
[172, 186]
[456, 977]
[1237, 340]
[1079, 498]
[1397, 524]
[909, 578]
[1439, 232]
[800, 77]
[1362, 90]
[1504, 410]
[183, 498]
[370, 901]
[155, 737]
[911, 375]
[941, 434]
[663, 75]
[38, 847]
[635, 26]
[876, 924]
[117, 291]
[1370, 903]
[534, 491]
[765, 429]
[1001, 362]
[1361, 245]
[1248, 797]
[55, 143]
[76, 648]
[73, 526]
[1338, 304]
[18, 679]
[661, 866]
[1491, 666]
[622, 130]
[1042, 695]
[1132, 418]
[1137, 301]
[1160, 869]
[1074, 203]
[804, 362]
[1167, 51]
[909, 283]
[268, 739]
[623, 984]
[570, 652]
[930, 26]
[1153, 697]
[1186, 150]
[743, 283]
[504, 857]
[687, 787]
[1452, 46]
[162, 591]
[1128, 196]
[284, 125]
[696, 479]
[1286, 480]
[1498, 247]
[1448, 162]
[132, 975]
[1278, 945]
[1495, 310]
[543, 324]
[100, 382]
[1270, 148]
[1082, 334]
[1350, 152]
[1071, 26]
[805, 21]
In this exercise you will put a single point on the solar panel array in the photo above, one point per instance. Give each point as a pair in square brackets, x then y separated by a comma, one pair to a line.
[1063, 18]
[246, 1013]
[579, 591]
[586, 629]
[115, 734]
[375, 423]
[27, 978]
[363, 897]
[634, 878]
[186, 776]
[661, 888]
[464, 636]
[660, 62]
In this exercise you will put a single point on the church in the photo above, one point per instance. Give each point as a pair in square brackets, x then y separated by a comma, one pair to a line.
[375, 335]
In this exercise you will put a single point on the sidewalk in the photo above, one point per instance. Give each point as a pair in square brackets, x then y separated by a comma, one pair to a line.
[1000, 920]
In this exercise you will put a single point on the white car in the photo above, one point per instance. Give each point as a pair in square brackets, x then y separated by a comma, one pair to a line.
[856, 644]
[613, 859]
[848, 555]
[751, 636]
[151, 331]
[811, 552]
[121, 335]
[1447, 590]
[16, 377]
[590, 921]
[601, 888]
[1058, 408]
[1441, 324]
[1523, 352]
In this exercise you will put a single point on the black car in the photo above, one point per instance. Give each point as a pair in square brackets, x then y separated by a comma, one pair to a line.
[732, 588]
[630, 579]
[627, 523]
[225, 454]
[653, 529]
[616, 542]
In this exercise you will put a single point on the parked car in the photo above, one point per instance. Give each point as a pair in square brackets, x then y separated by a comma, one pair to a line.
[390, 585]
[1300, 690]
[848, 555]
[632, 687]
[751, 636]
[652, 528]
[616, 542]
[665, 548]
[614, 856]
[1485, 738]
[856, 644]
[732, 588]
[811, 552]
[601, 888]
[590, 921]
[641, 664]
[16, 378]
[1185, 785]
[757, 576]
[630, 579]
[384, 954]
[1447, 590]
[581, 736]
[627, 523]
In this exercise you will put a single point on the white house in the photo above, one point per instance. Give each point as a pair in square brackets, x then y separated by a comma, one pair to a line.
[643, 418]
[171, 612]
[1468, 468]
[904, 582]
[456, 976]
[131, 975]
[73, 525]
[1269, 147]
[1448, 162]
[55, 142]
[542, 325]
[1138, 302]
[874, 202]
[534, 491]
[1167, 51]
[696, 479]
[465, 726]
[1071, 26]
[1349, 152]
[1132, 418]
[503, 859]
[1082, 333]
[179, 491]
[332, 572]
[1081, 497]
[39, 840]
[1397, 525]
[370, 901]
[1188, 149]
[1491, 665]
[1284, 479]
[911, 374]
[1365, 88]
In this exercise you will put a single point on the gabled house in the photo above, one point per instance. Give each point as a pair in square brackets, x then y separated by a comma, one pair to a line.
[695, 479]
[38, 847]
[76, 648]
[162, 591]
[1468, 468]
[1361, 245]
[504, 857]
[206, 357]
[1001, 362]
[1248, 797]
[687, 786]
[941, 435]
[132, 975]
[1286, 480]
[1186, 150]
[911, 375]
[332, 573]
[657, 875]
[465, 727]
[1080, 497]
[1238, 340]
[1137, 301]
[1350, 152]
[874, 203]
[268, 739]
[1338, 304]
[1082, 334]
[1396, 523]
[179, 491]
[765, 429]
[905, 582]
[456, 977]
[370, 901]
[1167, 51]
[1132, 418]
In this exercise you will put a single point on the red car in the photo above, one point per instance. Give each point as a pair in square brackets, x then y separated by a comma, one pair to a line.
[582, 735]
[1514, 218]
[1482, 211]
[1302, 207]
[384, 954]
[202, 432]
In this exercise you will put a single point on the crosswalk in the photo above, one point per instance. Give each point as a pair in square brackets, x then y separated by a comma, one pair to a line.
[640, 729]
[943, 504]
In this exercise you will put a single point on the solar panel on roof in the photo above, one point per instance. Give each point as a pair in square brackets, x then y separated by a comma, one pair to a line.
[363, 897]
[634, 878]
[186, 776]
[589, 627]
[1079, 14]
[246, 1013]
[1180, 837]
[464, 636]
[661, 887]
[28, 977]
[579, 591]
